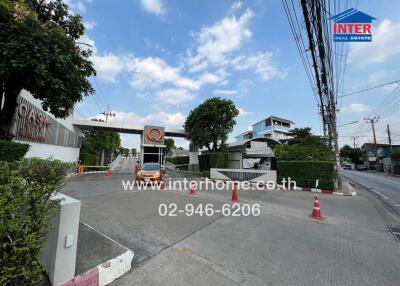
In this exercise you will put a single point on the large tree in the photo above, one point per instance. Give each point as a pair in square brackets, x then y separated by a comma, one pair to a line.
[352, 154]
[99, 148]
[209, 124]
[39, 52]
[304, 146]
[169, 145]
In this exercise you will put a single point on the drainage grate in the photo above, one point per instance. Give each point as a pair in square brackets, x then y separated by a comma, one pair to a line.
[396, 232]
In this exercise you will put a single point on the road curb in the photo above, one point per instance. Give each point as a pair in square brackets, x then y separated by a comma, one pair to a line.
[104, 273]
[280, 188]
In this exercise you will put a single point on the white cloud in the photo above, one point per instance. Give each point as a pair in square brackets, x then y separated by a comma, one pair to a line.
[87, 43]
[245, 87]
[219, 44]
[76, 7]
[243, 112]
[236, 6]
[154, 6]
[261, 63]
[89, 25]
[224, 92]
[217, 41]
[385, 44]
[108, 66]
[208, 78]
[166, 119]
[356, 107]
[153, 72]
[174, 96]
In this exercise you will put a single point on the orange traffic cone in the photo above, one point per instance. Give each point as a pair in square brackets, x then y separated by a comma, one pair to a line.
[109, 173]
[193, 189]
[235, 197]
[316, 213]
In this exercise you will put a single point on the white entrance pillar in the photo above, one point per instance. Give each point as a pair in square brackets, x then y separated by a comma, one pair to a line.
[193, 158]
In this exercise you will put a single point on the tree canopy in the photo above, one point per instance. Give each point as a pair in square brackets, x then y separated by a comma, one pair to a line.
[209, 124]
[352, 154]
[99, 147]
[170, 144]
[39, 53]
[304, 146]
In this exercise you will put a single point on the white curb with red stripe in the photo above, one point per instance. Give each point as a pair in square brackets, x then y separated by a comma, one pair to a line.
[104, 273]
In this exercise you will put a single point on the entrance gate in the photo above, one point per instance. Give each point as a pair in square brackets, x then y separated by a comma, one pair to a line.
[152, 145]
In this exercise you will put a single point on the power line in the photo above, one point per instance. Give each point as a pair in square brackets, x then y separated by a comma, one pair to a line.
[101, 92]
[370, 88]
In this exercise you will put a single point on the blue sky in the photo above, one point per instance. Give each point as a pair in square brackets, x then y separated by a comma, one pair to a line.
[158, 59]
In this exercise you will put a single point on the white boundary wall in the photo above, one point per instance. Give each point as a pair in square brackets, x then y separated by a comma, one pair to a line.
[44, 151]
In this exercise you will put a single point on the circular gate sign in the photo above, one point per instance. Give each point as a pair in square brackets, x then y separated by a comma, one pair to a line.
[155, 135]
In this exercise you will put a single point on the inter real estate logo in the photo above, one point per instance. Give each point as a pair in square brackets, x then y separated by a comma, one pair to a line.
[352, 26]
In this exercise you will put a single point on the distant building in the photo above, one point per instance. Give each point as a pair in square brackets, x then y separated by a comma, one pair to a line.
[256, 153]
[370, 151]
[272, 127]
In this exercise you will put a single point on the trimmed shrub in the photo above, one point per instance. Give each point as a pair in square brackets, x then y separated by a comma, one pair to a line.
[11, 151]
[205, 174]
[25, 207]
[88, 159]
[395, 156]
[181, 160]
[305, 173]
[213, 160]
[303, 153]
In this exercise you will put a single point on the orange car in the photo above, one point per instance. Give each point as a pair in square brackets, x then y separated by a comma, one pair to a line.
[150, 172]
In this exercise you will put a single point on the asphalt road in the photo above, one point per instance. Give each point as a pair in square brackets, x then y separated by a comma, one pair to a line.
[281, 246]
[386, 187]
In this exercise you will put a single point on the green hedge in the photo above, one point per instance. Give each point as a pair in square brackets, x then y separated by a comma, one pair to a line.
[182, 160]
[305, 173]
[213, 160]
[88, 159]
[25, 206]
[11, 151]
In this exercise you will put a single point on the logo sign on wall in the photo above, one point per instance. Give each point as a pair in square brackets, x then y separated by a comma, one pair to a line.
[352, 26]
[32, 123]
[153, 135]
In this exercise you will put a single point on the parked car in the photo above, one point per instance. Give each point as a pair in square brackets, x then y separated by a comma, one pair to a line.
[361, 168]
[150, 172]
[346, 167]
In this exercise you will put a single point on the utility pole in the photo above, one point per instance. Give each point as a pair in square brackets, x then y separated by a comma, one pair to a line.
[391, 149]
[108, 113]
[354, 141]
[373, 120]
[390, 138]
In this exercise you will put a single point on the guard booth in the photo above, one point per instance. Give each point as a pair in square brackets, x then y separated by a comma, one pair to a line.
[152, 145]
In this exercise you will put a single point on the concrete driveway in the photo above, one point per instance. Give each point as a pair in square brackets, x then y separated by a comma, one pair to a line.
[282, 246]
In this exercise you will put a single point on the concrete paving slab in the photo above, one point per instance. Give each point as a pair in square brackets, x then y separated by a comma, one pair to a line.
[282, 246]
[94, 249]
